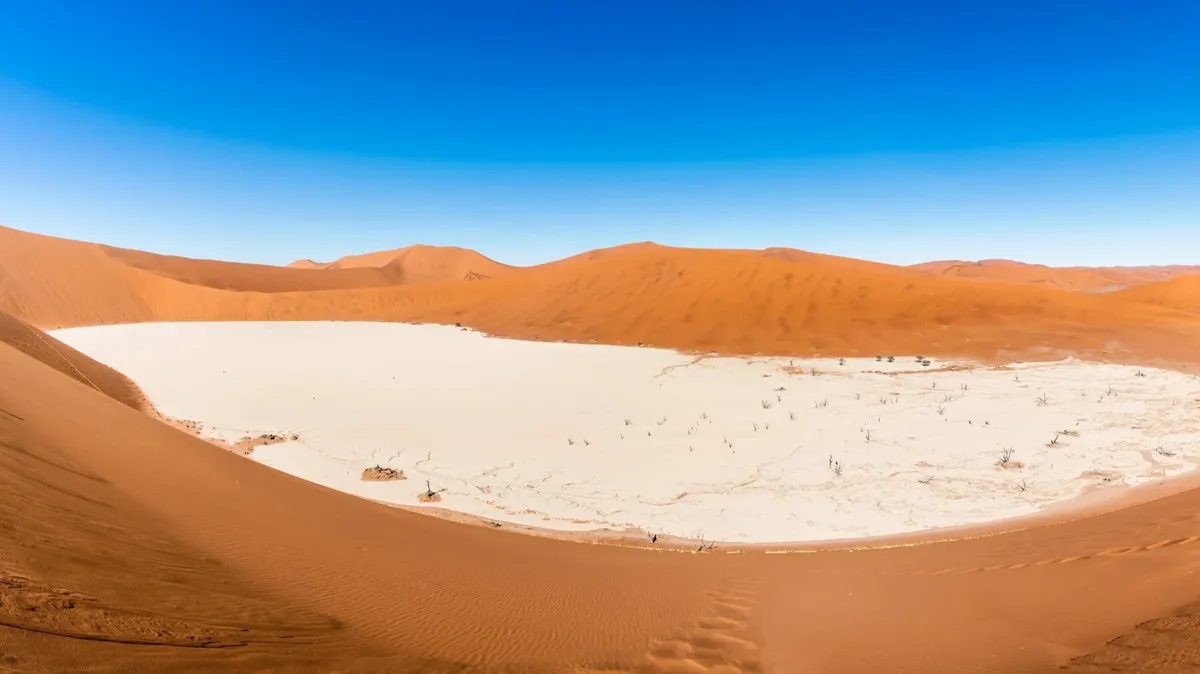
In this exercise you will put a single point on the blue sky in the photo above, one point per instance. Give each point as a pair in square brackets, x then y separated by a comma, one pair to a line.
[1052, 132]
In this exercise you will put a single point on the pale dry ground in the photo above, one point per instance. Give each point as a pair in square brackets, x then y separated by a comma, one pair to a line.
[584, 437]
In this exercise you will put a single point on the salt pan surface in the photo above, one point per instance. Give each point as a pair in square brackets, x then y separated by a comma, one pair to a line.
[580, 437]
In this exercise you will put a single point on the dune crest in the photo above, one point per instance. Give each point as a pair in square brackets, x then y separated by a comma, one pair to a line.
[737, 302]
[52, 352]
[419, 263]
[307, 264]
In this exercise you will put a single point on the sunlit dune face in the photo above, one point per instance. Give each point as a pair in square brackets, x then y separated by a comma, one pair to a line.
[575, 437]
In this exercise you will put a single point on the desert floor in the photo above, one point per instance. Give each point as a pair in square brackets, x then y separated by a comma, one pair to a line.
[583, 437]
[129, 545]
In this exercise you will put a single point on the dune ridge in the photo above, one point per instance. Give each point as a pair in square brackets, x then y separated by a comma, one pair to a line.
[52, 352]
[740, 302]
[423, 263]
[242, 277]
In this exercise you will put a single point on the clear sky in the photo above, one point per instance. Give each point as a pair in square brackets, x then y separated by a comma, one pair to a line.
[1052, 132]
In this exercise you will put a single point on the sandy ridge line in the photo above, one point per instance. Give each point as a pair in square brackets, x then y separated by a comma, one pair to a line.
[40, 337]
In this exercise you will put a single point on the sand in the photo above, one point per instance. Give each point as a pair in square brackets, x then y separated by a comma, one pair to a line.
[736, 302]
[127, 545]
[1073, 279]
[165, 539]
[420, 264]
[1181, 293]
[584, 437]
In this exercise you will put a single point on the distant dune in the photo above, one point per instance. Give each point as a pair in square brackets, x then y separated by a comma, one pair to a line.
[50, 351]
[1075, 279]
[1182, 293]
[777, 301]
[419, 264]
[307, 264]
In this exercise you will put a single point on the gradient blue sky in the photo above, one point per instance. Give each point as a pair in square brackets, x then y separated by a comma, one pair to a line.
[1052, 132]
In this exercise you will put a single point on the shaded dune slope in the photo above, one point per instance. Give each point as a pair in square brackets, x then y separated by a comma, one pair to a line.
[53, 282]
[131, 546]
[254, 277]
[50, 282]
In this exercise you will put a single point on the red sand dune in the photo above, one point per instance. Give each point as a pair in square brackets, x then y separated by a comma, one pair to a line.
[419, 264]
[731, 301]
[307, 264]
[1076, 279]
[132, 546]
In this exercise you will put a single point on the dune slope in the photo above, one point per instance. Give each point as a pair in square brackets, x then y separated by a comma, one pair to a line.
[732, 301]
[741, 302]
[253, 277]
[281, 575]
[1181, 293]
[50, 351]
[53, 282]
[420, 263]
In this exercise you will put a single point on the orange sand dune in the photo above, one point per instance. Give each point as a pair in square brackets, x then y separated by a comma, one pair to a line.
[57, 282]
[730, 301]
[1182, 293]
[794, 255]
[53, 282]
[131, 546]
[307, 264]
[745, 303]
[1076, 279]
[420, 263]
